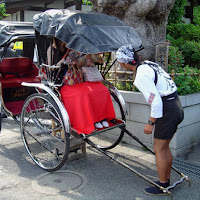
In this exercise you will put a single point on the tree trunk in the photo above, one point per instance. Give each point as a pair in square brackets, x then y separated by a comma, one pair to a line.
[148, 17]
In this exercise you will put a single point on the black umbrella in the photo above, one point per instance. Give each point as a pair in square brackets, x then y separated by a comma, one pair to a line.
[10, 30]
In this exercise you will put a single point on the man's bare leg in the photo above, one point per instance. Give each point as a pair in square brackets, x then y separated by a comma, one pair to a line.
[163, 159]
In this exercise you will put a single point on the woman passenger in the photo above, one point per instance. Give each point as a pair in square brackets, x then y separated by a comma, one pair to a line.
[88, 104]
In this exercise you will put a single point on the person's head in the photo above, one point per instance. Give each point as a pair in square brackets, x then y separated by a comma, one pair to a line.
[58, 44]
[127, 57]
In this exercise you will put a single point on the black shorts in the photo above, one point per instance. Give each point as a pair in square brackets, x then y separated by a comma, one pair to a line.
[173, 115]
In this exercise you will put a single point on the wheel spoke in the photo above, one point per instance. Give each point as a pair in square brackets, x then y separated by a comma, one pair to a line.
[43, 132]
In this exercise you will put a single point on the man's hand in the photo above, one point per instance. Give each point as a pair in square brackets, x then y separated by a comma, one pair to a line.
[148, 129]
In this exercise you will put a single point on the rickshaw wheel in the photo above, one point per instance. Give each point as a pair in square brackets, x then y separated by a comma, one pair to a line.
[43, 132]
[111, 138]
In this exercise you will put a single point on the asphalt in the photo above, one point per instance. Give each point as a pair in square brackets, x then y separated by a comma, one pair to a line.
[94, 177]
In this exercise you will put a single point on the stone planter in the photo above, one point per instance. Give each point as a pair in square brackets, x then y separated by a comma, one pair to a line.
[187, 135]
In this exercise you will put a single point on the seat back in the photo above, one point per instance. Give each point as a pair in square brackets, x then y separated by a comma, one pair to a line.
[15, 66]
[14, 71]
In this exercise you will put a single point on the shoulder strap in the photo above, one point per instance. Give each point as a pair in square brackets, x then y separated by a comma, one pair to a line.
[151, 64]
[156, 76]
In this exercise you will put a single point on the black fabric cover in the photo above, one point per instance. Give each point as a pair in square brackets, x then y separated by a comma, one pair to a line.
[86, 32]
[10, 30]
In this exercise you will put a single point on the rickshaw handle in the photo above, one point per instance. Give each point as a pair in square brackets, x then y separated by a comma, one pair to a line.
[151, 150]
[165, 190]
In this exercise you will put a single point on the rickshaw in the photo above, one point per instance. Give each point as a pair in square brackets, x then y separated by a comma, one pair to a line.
[44, 122]
[16, 66]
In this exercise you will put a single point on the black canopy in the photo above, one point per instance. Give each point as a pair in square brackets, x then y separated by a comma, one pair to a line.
[86, 32]
[10, 30]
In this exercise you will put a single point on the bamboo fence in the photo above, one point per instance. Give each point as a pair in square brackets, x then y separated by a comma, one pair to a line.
[116, 78]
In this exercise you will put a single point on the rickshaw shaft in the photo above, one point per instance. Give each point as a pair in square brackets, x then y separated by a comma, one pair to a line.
[165, 190]
[149, 149]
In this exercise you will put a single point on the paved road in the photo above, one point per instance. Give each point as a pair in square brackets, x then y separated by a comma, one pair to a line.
[94, 177]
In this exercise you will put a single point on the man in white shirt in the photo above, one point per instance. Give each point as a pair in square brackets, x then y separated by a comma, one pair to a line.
[160, 92]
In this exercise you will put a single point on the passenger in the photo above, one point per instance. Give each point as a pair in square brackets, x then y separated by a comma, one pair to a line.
[88, 61]
[166, 109]
[88, 104]
[56, 52]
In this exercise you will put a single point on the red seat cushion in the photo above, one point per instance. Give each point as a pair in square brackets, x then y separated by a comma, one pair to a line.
[16, 81]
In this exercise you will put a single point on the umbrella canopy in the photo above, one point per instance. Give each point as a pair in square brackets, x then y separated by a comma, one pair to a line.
[86, 32]
[10, 30]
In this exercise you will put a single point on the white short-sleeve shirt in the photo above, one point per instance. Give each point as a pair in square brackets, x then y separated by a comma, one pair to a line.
[144, 81]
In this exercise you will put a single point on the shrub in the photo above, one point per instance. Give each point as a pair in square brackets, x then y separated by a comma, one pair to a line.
[185, 48]
[87, 2]
[177, 12]
[128, 86]
[197, 15]
[175, 58]
[186, 31]
[3, 11]
[191, 52]
[187, 83]
[187, 41]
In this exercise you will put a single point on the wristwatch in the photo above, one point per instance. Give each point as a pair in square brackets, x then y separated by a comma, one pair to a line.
[150, 122]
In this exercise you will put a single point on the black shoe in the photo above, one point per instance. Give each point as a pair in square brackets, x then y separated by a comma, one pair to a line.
[153, 190]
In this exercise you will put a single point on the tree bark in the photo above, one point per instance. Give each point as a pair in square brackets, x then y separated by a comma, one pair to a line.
[148, 17]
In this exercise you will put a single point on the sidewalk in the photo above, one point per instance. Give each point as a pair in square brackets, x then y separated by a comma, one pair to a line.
[94, 177]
